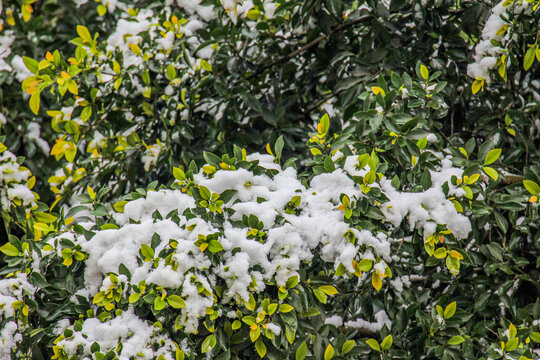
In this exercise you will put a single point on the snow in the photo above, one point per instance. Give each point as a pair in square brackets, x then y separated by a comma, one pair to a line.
[136, 335]
[247, 262]
[6, 40]
[33, 132]
[13, 180]
[21, 72]
[335, 320]
[487, 53]
[381, 319]
[428, 208]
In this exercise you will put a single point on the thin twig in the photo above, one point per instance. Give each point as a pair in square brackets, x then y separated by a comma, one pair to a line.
[308, 45]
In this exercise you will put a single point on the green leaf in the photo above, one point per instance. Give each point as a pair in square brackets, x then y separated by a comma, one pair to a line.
[456, 340]
[211, 159]
[171, 72]
[532, 187]
[301, 352]
[424, 71]
[31, 64]
[347, 346]
[387, 342]
[176, 301]
[529, 57]
[450, 310]
[147, 252]
[9, 250]
[329, 352]
[278, 147]
[374, 344]
[215, 246]
[492, 156]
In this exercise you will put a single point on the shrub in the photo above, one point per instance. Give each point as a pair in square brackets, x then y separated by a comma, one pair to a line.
[394, 214]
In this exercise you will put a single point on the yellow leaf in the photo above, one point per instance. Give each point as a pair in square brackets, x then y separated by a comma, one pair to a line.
[477, 85]
[102, 10]
[91, 192]
[73, 88]
[34, 102]
[329, 352]
[376, 280]
[31, 182]
[376, 90]
[84, 33]
[135, 49]
[71, 152]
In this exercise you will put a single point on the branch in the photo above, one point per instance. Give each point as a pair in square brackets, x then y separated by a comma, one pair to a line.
[507, 179]
[309, 45]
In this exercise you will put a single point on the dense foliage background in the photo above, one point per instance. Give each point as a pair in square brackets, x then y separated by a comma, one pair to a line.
[393, 215]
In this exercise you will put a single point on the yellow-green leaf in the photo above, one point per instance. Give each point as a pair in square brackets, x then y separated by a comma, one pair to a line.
[450, 310]
[374, 344]
[208, 343]
[424, 71]
[301, 352]
[44, 217]
[285, 308]
[532, 187]
[260, 347]
[9, 250]
[529, 57]
[84, 33]
[511, 344]
[176, 301]
[491, 172]
[328, 289]
[440, 253]
[512, 331]
[387, 342]
[347, 346]
[456, 340]
[492, 156]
